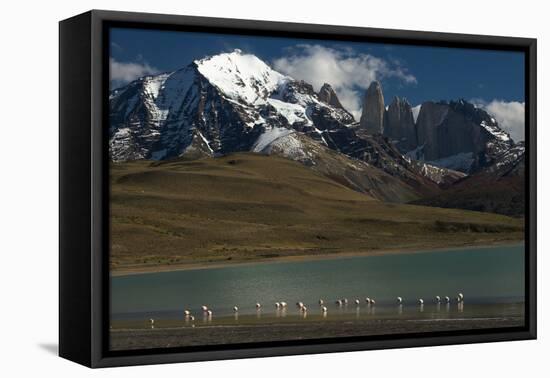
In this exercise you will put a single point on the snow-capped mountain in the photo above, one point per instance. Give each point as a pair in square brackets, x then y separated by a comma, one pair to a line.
[219, 104]
[235, 102]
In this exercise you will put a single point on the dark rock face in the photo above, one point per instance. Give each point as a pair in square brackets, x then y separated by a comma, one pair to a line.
[399, 125]
[293, 87]
[379, 152]
[329, 97]
[324, 118]
[372, 116]
[430, 117]
[459, 128]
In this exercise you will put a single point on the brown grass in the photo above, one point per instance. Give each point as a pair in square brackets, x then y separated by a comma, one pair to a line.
[248, 207]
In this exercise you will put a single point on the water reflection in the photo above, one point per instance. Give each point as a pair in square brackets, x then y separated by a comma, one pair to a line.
[385, 310]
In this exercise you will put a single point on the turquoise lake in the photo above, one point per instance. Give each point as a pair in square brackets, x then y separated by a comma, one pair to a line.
[485, 275]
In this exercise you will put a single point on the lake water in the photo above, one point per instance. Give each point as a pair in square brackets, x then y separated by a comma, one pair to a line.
[488, 275]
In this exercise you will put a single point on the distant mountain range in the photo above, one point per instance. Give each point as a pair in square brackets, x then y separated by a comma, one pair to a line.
[235, 102]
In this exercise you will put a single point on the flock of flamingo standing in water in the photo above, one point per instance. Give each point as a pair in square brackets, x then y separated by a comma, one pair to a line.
[302, 308]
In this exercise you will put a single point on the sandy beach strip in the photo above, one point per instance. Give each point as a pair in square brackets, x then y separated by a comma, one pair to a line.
[143, 269]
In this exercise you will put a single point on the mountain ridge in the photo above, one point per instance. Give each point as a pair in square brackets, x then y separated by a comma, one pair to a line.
[235, 102]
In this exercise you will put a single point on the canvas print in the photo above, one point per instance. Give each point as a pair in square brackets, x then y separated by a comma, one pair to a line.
[267, 189]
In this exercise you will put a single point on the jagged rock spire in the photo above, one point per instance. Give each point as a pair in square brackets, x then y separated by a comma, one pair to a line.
[399, 124]
[372, 117]
[328, 96]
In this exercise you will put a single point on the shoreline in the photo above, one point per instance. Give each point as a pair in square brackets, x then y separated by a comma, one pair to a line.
[128, 339]
[300, 258]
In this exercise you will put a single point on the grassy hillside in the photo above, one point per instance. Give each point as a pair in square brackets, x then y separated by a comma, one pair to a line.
[247, 207]
[357, 174]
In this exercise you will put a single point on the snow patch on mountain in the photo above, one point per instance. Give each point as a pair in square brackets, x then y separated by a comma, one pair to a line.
[291, 112]
[437, 174]
[269, 136]
[289, 146]
[496, 131]
[416, 111]
[153, 84]
[206, 142]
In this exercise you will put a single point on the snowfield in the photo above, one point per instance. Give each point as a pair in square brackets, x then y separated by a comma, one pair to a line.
[269, 136]
[241, 77]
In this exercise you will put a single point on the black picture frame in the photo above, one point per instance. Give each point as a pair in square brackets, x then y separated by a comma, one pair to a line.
[83, 181]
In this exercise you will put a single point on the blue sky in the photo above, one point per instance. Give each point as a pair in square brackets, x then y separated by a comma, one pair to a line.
[490, 78]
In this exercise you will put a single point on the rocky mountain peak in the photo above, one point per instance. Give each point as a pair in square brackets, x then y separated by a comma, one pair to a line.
[225, 103]
[328, 96]
[372, 116]
[399, 124]
[242, 77]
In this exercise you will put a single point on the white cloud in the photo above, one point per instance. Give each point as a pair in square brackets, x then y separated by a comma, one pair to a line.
[509, 115]
[125, 72]
[348, 72]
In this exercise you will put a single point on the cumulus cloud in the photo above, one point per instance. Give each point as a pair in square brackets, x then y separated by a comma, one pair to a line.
[125, 72]
[510, 116]
[347, 71]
